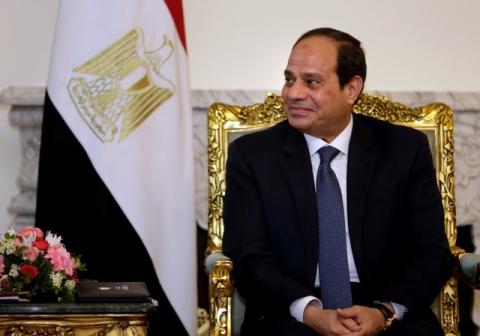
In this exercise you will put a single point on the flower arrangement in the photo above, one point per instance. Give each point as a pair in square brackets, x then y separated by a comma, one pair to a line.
[38, 265]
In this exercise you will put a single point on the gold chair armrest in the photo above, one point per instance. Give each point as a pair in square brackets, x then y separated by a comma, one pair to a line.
[220, 286]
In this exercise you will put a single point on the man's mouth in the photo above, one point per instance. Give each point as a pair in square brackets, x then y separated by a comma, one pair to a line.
[299, 109]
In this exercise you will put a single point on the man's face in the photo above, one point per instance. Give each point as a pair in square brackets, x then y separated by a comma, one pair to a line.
[314, 102]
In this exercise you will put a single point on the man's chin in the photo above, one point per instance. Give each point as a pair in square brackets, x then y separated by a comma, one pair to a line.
[299, 123]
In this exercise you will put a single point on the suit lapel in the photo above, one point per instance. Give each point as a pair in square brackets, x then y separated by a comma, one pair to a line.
[362, 156]
[297, 167]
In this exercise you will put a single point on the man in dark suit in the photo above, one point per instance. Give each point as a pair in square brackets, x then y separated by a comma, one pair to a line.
[395, 245]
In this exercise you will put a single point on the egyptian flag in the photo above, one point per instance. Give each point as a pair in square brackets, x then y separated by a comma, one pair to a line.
[116, 175]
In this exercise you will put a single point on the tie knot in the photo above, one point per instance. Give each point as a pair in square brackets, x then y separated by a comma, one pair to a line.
[327, 153]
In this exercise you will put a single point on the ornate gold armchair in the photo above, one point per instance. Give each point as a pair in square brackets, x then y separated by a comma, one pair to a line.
[227, 122]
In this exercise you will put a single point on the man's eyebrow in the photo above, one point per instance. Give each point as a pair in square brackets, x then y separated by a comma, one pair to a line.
[311, 75]
[307, 75]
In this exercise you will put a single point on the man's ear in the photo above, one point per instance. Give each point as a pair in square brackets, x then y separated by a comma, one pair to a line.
[353, 88]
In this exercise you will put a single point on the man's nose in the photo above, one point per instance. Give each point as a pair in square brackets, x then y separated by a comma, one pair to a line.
[296, 91]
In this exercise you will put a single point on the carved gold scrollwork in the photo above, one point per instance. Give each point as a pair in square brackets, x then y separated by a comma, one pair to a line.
[68, 325]
[270, 111]
[40, 331]
[216, 178]
[381, 107]
[449, 307]
[109, 327]
[220, 296]
[122, 327]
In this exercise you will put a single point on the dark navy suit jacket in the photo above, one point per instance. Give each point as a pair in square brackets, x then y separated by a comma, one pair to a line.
[395, 217]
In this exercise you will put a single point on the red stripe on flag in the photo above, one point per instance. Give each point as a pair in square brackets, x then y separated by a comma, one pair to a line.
[176, 10]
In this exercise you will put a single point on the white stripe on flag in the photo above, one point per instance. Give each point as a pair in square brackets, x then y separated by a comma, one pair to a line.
[119, 79]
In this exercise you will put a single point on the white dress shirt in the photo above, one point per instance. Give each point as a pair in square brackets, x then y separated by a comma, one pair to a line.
[339, 166]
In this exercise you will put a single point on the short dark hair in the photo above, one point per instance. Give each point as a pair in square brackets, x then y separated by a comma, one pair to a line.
[350, 54]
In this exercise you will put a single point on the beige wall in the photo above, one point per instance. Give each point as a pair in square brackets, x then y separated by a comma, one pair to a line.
[411, 45]
[26, 28]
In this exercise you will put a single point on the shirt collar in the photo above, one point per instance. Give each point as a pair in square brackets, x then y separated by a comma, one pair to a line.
[341, 142]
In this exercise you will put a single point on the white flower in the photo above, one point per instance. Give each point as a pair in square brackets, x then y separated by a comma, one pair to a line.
[53, 239]
[7, 246]
[28, 240]
[7, 242]
[70, 285]
[13, 271]
[57, 279]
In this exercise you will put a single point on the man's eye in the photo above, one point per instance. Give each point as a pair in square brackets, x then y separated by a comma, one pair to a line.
[289, 81]
[312, 82]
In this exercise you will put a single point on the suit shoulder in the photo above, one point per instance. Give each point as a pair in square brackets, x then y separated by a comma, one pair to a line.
[387, 129]
[265, 137]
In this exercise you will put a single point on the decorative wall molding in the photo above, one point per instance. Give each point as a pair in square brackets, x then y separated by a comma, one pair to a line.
[22, 95]
[28, 119]
[26, 114]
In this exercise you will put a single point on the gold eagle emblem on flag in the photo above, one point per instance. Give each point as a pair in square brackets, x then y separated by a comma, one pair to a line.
[121, 86]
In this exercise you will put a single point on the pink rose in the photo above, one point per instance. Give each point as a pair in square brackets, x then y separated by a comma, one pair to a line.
[30, 254]
[30, 230]
[60, 259]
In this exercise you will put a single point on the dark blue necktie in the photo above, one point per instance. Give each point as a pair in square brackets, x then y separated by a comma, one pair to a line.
[333, 263]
